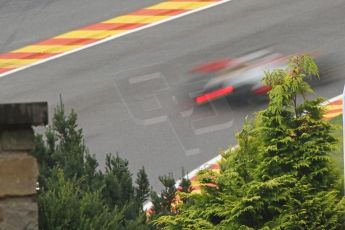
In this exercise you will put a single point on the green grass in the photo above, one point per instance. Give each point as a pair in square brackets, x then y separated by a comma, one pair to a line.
[338, 155]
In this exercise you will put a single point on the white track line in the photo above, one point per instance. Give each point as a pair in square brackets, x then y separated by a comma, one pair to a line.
[114, 37]
[332, 99]
[219, 157]
[216, 159]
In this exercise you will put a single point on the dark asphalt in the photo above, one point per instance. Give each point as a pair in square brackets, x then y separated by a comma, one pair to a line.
[132, 93]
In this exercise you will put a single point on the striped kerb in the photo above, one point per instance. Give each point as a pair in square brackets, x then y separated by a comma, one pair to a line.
[87, 35]
[334, 109]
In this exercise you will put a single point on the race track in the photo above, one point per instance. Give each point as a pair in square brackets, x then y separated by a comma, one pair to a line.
[132, 93]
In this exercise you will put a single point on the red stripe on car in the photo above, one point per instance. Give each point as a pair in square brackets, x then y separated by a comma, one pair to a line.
[263, 90]
[214, 94]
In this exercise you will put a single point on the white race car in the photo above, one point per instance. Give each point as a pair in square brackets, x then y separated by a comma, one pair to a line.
[238, 77]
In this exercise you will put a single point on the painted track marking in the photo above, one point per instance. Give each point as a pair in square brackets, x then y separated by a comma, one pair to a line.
[93, 35]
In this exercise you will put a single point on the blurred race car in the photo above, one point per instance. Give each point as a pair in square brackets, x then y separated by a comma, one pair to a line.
[238, 77]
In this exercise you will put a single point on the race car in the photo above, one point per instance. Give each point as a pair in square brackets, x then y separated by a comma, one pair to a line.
[238, 77]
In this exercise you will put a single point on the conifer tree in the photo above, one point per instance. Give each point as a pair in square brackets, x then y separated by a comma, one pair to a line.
[185, 183]
[73, 193]
[142, 191]
[63, 146]
[162, 203]
[280, 176]
[118, 189]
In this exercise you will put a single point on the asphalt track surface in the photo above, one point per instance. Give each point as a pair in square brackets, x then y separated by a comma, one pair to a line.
[132, 94]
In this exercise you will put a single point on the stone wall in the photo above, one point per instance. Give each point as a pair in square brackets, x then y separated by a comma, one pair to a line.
[18, 169]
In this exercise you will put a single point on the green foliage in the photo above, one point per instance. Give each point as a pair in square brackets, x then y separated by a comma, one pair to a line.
[338, 153]
[73, 193]
[63, 147]
[142, 190]
[162, 203]
[166, 203]
[185, 184]
[118, 189]
[280, 176]
[65, 206]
